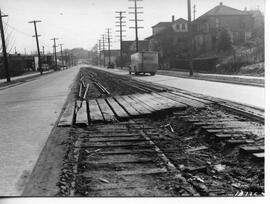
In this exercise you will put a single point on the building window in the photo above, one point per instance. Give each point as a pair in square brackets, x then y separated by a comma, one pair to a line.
[206, 27]
[177, 27]
[217, 23]
[183, 26]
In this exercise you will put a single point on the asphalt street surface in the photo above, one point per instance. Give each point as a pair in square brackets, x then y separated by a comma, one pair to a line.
[28, 113]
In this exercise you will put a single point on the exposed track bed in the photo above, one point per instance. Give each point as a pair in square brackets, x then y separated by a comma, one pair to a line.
[207, 147]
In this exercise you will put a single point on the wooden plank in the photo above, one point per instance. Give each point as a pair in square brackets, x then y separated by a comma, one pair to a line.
[94, 111]
[192, 97]
[136, 105]
[125, 105]
[107, 113]
[162, 101]
[252, 149]
[215, 122]
[161, 104]
[146, 99]
[117, 109]
[186, 101]
[226, 136]
[151, 109]
[177, 103]
[81, 116]
[67, 116]
[194, 149]
[113, 139]
[171, 103]
[258, 156]
[238, 142]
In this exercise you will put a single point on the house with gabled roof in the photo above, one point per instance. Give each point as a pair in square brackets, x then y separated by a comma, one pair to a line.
[169, 39]
[207, 27]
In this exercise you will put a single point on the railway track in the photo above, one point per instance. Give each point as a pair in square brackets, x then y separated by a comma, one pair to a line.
[136, 157]
[121, 160]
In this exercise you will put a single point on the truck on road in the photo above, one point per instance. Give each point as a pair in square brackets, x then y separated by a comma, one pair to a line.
[144, 62]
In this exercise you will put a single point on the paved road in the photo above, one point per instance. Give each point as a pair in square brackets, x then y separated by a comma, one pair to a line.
[27, 115]
[250, 95]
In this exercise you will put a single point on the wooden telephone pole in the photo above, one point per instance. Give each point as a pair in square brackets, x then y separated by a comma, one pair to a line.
[54, 50]
[136, 12]
[190, 34]
[121, 25]
[61, 55]
[36, 36]
[194, 12]
[99, 52]
[109, 45]
[103, 45]
[4, 47]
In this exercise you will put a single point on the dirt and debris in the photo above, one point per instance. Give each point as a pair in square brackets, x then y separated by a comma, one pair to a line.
[205, 166]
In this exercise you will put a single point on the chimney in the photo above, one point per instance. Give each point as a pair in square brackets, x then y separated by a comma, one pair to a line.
[221, 4]
[173, 18]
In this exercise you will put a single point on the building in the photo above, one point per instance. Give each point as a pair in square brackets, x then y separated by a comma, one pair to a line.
[129, 48]
[169, 39]
[207, 27]
[179, 26]
[114, 54]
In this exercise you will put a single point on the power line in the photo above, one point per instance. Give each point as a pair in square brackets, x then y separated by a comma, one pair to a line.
[109, 45]
[4, 47]
[121, 25]
[17, 30]
[136, 12]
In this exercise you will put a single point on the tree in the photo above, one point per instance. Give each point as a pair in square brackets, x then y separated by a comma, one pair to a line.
[224, 41]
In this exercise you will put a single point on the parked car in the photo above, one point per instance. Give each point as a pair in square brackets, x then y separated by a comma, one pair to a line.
[110, 66]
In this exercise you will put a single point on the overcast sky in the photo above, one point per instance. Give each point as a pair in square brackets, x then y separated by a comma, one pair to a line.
[80, 23]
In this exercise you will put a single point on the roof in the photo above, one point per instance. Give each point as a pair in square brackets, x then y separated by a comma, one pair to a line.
[182, 20]
[222, 10]
[162, 24]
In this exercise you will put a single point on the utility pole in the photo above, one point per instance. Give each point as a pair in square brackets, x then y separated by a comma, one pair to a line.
[4, 47]
[99, 48]
[194, 11]
[61, 54]
[190, 35]
[36, 36]
[103, 39]
[66, 57]
[109, 45]
[54, 50]
[43, 50]
[121, 25]
[136, 12]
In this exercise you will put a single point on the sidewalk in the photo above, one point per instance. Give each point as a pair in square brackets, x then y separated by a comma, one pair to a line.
[22, 78]
[233, 79]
